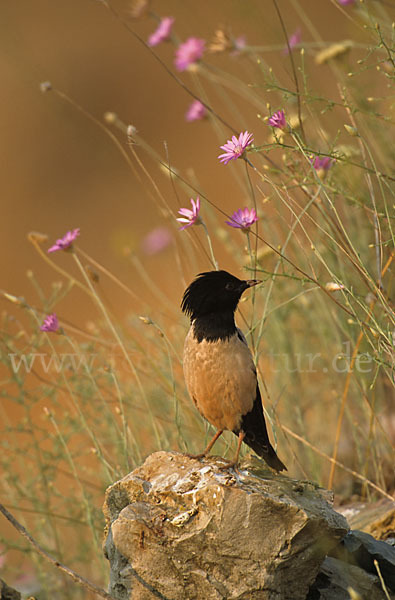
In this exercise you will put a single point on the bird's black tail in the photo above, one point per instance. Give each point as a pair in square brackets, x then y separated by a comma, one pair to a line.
[265, 451]
[256, 437]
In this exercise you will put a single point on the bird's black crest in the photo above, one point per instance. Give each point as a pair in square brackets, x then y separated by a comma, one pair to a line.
[212, 292]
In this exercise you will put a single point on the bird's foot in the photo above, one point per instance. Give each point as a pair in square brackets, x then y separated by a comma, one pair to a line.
[229, 464]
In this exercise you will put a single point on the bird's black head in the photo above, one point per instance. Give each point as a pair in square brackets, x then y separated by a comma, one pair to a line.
[214, 292]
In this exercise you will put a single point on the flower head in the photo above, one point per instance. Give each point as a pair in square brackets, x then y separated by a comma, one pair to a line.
[223, 40]
[243, 218]
[66, 241]
[196, 111]
[235, 147]
[190, 217]
[220, 42]
[278, 120]
[240, 43]
[162, 32]
[139, 8]
[345, 2]
[189, 52]
[332, 286]
[156, 240]
[324, 162]
[294, 40]
[51, 323]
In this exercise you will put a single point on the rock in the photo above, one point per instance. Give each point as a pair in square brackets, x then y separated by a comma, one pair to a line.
[361, 549]
[337, 577]
[179, 528]
[7, 592]
[376, 518]
[118, 563]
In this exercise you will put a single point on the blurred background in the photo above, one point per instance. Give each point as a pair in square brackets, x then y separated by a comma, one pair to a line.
[60, 171]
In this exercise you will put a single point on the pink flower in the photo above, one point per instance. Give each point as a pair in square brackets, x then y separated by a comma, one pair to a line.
[243, 218]
[324, 162]
[345, 2]
[66, 241]
[239, 44]
[294, 40]
[156, 240]
[162, 32]
[235, 147]
[51, 323]
[189, 52]
[196, 111]
[190, 217]
[278, 120]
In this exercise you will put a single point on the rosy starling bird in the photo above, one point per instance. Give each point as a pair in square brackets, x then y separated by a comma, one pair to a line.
[218, 366]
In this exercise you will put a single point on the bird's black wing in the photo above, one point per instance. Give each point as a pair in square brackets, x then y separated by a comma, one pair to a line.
[254, 426]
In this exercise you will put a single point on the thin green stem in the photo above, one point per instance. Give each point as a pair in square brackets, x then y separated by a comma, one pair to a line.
[215, 264]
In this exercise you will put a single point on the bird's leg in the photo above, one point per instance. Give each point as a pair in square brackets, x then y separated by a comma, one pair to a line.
[240, 441]
[234, 462]
[209, 445]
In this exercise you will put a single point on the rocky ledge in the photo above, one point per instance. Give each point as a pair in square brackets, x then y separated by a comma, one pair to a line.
[181, 528]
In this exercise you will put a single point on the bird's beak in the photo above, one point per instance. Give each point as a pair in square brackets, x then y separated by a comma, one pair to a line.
[251, 282]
